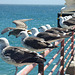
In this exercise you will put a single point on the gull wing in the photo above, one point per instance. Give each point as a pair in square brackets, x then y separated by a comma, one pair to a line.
[19, 54]
[23, 20]
[20, 23]
[6, 30]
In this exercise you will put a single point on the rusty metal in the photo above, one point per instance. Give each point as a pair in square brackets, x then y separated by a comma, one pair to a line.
[25, 71]
[56, 65]
[68, 56]
[59, 70]
[41, 69]
[48, 51]
[62, 61]
[68, 63]
[72, 47]
[67, 41]
[46, 66]
[67, 49]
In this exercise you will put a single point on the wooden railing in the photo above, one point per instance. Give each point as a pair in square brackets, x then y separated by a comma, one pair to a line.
[65, 58]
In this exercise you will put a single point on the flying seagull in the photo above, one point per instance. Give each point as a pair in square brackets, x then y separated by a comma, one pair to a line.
[34, 43]
[18, 56]
[20, 26]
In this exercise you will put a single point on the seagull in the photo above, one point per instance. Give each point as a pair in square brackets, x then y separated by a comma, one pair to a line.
[55, 29]
[20, 26]
[34, 43]
[49, 37]
[18, 56]
[63, 23]
[59, 31]
[35, 31]
[69, 22]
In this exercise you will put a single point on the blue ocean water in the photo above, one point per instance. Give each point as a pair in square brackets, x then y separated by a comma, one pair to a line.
[41, 15]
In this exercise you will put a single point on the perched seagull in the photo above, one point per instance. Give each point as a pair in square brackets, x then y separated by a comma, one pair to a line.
[63, 23]
[69, 22]
[34, 43]
[35, 31]
[49, 37]
[20, 26]
[18, 56]
[58, 31]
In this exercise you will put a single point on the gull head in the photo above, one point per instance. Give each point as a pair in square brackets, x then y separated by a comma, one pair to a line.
[42, 29]
[29, 32]
[34, 31]
[23, 34]
[48, 26]
[3, 43]
[61, 18]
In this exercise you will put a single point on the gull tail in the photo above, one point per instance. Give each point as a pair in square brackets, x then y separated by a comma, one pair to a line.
[71, 29]
[67, 35]
[39, 59]
[35, 59]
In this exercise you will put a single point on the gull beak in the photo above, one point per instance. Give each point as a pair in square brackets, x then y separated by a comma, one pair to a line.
[8, 35]
[38, 28]
[17, 36]
[57, 18]
[29, 32]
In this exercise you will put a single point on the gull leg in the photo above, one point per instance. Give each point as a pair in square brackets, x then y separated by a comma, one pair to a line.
[16, 71]
[53, 43]
[43, 54]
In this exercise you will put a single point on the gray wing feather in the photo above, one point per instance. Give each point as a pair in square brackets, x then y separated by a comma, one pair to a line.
[19, 54]
[6, 30]
[23, 20]
[20, 23]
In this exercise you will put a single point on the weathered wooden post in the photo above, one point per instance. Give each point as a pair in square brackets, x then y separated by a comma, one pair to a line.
[62, 55]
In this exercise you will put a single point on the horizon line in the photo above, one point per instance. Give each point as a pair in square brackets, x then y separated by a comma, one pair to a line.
[31, 4]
